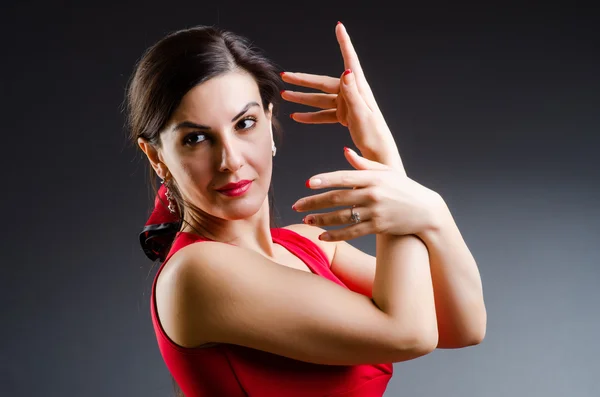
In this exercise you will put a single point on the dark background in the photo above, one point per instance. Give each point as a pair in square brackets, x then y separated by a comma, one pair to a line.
[495, 107]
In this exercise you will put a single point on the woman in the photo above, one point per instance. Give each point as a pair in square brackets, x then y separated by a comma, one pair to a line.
[292, 311]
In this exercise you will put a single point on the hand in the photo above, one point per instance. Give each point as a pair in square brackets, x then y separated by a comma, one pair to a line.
[347, 100]
[387, 201]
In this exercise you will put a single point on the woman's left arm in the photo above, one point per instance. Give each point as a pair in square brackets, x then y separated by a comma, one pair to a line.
[459, 303]
[458, 295]
[460, 309]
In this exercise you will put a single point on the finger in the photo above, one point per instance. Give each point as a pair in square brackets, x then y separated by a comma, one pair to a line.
[361, 163]
[351, 94]
[351, 62]
[334, 198]
[336, 218]
[345, 178]
[326, 84]
[348, 233]
[321, 117]
[321, 101]
[348, 52]
[341, 110]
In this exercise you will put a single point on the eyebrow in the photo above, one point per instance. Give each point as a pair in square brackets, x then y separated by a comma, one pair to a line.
[189, 124]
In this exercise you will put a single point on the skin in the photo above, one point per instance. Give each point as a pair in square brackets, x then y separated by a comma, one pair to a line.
[233, 150]
[228, 152]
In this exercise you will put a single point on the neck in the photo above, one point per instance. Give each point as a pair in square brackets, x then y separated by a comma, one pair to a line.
[251, 233]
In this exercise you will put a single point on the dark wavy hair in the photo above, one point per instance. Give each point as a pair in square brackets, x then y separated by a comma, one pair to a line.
[176, 64]
[168, 70]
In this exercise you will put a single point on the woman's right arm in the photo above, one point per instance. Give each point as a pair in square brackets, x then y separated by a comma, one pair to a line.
[226, 294]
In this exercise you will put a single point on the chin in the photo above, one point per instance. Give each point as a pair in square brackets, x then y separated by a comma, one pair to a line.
[242, 208]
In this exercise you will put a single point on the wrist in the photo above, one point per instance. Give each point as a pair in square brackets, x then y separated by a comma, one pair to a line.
[384, 154]
[437, 215]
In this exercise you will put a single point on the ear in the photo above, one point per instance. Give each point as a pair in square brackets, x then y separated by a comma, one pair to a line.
[269, 112]
[154, 156]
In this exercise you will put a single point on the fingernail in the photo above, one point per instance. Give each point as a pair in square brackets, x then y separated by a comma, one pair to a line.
[313, 182]
[309, 220]
[281, 92]
[294, 207]
[282, 73]
[292, 116]
[346, 149]
[338, 22]
[324, 236]
[346, 76]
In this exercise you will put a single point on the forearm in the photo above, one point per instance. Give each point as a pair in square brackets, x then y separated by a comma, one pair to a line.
[383, 149]
[402, 287]
[460, 308]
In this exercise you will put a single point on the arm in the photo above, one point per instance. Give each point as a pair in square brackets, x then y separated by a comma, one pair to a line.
[220, 293]
[460, 310]
[353, 105]
[461, 313]
[357, 269]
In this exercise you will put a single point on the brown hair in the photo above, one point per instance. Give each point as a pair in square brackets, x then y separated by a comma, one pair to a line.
[176, 64]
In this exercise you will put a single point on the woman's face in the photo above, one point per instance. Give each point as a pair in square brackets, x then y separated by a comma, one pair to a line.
[218, 135]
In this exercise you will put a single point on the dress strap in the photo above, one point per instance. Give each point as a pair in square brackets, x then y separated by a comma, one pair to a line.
[307, 251]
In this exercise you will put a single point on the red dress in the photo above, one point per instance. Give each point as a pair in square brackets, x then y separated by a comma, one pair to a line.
[227, 370]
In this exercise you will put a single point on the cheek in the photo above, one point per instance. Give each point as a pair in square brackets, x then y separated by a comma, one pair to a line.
[196, 172]
[197, 180]
[260, 155]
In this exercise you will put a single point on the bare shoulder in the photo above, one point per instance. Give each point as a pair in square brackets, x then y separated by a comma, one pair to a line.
[220, 293]
[312, 233]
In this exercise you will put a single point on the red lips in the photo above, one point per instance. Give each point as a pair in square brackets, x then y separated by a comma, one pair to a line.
[234, 185]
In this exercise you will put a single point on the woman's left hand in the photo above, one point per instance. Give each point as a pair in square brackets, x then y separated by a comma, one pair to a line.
[386, 200]
[347, 100]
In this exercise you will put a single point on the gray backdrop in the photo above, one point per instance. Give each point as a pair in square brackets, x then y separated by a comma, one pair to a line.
[494, 107]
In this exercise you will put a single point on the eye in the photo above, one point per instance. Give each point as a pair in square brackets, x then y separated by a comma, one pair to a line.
[191, 139]
[246, 124]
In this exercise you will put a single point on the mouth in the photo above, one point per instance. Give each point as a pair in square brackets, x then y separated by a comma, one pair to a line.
[235, 189]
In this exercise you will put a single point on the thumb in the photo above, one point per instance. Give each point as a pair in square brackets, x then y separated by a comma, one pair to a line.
[361, 163]
[349, 90]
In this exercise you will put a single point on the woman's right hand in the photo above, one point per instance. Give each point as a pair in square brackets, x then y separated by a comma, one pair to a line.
[347, 100]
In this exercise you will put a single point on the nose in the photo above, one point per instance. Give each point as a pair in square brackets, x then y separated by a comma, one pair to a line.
[231, 158]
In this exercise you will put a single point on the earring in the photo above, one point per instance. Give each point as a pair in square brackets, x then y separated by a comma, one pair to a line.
[169, 195]
[273, 149]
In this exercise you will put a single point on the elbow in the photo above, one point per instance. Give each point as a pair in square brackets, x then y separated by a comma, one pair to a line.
[427, 339]
[478, 334]
[430, 341]
[471, 337]
[416, 343]
[478, 337]
[470, 340]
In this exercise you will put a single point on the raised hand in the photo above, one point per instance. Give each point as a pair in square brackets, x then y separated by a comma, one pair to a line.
[381, 199]
[347, 100]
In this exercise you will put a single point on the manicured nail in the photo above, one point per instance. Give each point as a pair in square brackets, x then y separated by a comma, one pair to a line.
[308, 220]
[281, 92]
[282, 73]
[347, 71]
[313, 182]
[346, 149]
[338, 22]
[294, 207]
[292, 116]
[324, 236]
